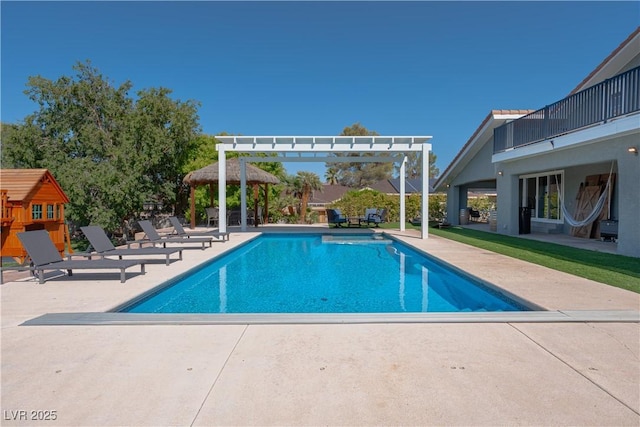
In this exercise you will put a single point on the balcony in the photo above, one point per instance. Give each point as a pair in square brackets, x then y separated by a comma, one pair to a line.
[614, 97]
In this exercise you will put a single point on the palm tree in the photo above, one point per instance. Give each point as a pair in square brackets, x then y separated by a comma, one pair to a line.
[306, 182]
[331, 175]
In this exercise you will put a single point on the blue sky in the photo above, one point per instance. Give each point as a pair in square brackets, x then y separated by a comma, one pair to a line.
[313, 68]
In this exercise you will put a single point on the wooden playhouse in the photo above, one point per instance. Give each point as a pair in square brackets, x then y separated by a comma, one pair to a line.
[31, 199]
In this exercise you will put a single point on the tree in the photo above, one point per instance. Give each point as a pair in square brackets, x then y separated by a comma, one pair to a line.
[359, 174]
[413, 167]
[331, 175]
[306, 182]
[109, 152]
[203, 154]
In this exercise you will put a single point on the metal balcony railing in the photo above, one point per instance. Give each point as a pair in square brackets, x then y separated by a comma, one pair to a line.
[614, 97]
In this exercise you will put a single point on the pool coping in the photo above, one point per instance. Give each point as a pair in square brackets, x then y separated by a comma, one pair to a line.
[95, 319]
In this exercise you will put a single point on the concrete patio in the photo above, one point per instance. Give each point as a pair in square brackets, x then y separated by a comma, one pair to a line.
[540, 372]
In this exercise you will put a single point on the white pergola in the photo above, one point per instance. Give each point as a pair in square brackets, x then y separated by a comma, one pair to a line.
[322, 149]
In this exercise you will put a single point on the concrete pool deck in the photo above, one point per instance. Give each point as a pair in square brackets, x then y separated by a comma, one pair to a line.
[443, 373]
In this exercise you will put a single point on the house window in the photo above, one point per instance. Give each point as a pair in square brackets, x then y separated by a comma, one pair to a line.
[50, 212]
[36, 211]
[540, 193]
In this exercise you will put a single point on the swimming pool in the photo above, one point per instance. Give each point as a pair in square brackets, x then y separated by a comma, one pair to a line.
[283, 273]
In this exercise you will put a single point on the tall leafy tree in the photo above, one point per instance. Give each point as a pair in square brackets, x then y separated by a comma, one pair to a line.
[109, 151]
[413, 166]
[360, 174]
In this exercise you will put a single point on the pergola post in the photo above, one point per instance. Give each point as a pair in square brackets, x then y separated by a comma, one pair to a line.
[222, 189]
[403, 164]
[243, 195]
[424, 215]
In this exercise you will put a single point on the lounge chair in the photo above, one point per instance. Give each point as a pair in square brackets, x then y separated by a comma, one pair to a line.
[45, 256]
[181, 232]
[334, 216]
[375, 216]
[154, 238]
[212, 216]
[103, 247]
[14, 268]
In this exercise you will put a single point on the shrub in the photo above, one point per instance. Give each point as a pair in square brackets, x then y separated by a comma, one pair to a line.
[355, 202]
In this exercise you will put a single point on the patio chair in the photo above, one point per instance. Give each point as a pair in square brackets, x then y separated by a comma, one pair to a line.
[154, 238]
[474, 215]
[375, 216]
[233, 217]
[335, 216]
[45, 256]
[213, 214]
[103, 247]
[251, 216]
[181, 232]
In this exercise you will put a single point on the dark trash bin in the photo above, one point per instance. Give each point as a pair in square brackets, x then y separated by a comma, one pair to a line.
[525, 221]
[609, 230]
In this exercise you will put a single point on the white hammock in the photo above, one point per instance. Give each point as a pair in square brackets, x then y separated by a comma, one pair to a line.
[595, 213]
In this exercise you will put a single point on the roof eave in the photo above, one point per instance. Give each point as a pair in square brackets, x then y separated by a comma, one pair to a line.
[489, 123]
[624, 48]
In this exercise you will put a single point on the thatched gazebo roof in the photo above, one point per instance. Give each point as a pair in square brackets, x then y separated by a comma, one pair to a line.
[209, 174]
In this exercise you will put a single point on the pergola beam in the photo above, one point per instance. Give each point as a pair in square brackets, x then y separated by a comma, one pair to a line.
[326, 159]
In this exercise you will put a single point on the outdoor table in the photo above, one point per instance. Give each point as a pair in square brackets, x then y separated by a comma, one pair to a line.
[355, 221]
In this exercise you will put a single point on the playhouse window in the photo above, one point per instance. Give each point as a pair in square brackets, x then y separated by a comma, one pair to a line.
[36, 212]
[50, 212]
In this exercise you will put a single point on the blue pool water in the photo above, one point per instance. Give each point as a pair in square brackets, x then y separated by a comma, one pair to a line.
[323, 274]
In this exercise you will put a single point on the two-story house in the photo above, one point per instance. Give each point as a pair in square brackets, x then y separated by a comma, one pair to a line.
[571, 167]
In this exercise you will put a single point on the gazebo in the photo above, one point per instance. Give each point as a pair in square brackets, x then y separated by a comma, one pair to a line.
[234, 168]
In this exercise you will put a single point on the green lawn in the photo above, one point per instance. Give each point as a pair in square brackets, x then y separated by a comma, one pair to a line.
[615, 270]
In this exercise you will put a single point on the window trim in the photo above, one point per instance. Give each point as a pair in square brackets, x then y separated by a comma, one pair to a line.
[33, 212]
[51, 209]
[548, 174]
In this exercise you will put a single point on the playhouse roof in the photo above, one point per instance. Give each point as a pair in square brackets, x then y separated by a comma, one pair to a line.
[21, 183]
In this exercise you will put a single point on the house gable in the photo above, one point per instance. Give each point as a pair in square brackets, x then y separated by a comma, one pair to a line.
[482, 135]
